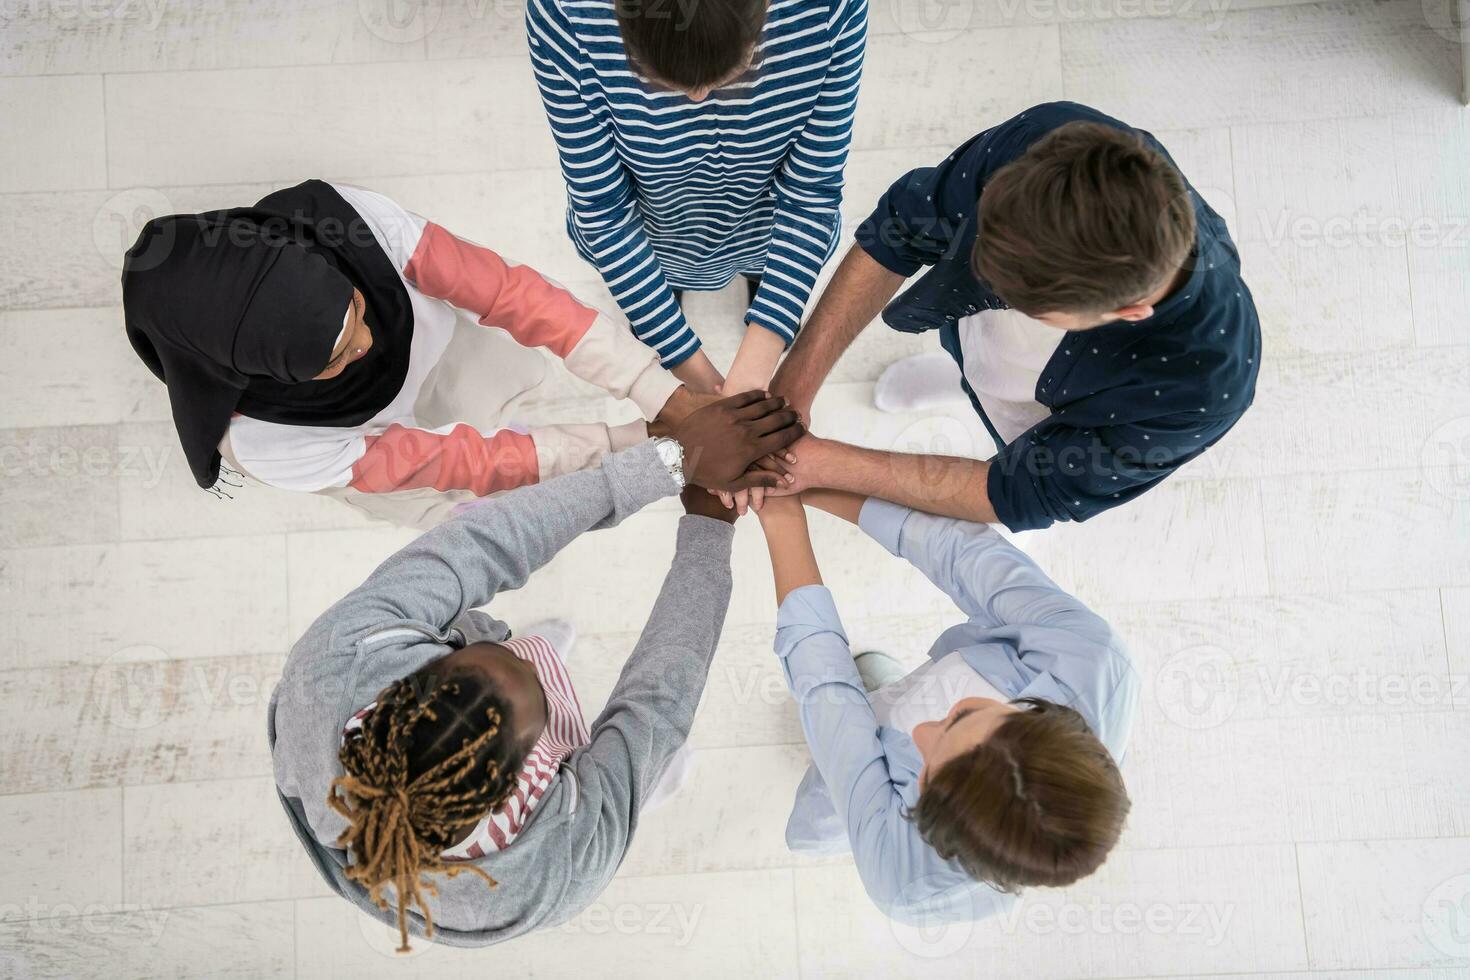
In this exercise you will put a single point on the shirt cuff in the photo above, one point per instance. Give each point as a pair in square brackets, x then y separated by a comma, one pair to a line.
[883, 521]
[652, 389]
[804, 613]
[706, 537]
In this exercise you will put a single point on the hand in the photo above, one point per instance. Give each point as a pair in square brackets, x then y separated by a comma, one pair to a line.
[702, 503]
[684, 402]
[803, 471]
[721, 441]
[698, 373]
[754, 363]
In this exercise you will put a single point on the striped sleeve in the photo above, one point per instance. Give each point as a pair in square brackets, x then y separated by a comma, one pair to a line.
[604, 210]
[809, 184]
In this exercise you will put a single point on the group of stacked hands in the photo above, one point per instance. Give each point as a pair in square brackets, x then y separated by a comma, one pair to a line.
[1095, 320]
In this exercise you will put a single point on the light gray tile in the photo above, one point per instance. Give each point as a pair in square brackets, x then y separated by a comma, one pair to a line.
[1439, 274]
[1286, 657]
[133, 721]
[61, 853]
[60, 485]
[73, 367]
[219, 841]
[735, 924]
[1316, 299]
[1304, 61]
[1375, 776]
[475, 28]
[249, 942]
[174, 600]
[1371, 530]
[476, 103]
[1385, 904]
[964, 94]
[62, 146]
[714, 823]
[1325, 184]
[1347, 413]
[61, 38]
[1144, 913]
[1456, 606]
[163, 501]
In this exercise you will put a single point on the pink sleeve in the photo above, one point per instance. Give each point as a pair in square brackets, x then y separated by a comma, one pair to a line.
[517, 298]
[459, 459]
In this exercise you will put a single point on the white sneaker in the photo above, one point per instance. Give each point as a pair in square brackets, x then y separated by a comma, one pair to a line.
[560, 633]
[917, 383]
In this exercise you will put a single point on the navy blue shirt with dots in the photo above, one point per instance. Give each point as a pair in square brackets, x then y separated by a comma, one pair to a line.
[1130, 402]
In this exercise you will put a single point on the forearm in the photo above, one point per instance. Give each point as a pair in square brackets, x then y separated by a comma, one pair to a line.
[793, 562]
[950, 486]
[856, 295]
[652, 706]
[699, 374]
[839, 503]
[760, 351]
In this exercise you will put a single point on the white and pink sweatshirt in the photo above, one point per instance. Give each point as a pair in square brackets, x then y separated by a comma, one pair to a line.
[392, 451]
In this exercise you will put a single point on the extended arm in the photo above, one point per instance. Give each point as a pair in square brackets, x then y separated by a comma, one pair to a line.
[808, 193]
[853, 299]
[951, 486]
[651, 708]
[840, 727]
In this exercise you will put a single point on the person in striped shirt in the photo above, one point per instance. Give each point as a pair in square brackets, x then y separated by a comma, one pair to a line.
[699, 142]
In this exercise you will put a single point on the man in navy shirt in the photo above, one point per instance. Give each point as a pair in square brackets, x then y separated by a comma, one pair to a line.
[1090, 298]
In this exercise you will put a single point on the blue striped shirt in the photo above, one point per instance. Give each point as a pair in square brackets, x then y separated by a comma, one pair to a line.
[664, 192]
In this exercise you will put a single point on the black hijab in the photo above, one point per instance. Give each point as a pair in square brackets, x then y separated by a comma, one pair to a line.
[237, 310]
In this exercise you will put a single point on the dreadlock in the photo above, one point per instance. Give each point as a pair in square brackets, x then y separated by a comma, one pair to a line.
[434, 753]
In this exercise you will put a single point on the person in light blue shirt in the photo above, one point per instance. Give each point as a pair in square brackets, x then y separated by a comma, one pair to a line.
[992, 767]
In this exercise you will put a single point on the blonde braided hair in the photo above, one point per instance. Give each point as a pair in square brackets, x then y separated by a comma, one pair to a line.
[398, 823]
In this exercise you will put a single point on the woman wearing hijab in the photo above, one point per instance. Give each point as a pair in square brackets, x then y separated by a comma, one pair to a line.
[321, 341]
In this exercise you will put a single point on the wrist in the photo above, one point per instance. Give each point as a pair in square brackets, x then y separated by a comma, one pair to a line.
[760, 351]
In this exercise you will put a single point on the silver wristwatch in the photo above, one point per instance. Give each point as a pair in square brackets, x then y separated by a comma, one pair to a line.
[671, 454]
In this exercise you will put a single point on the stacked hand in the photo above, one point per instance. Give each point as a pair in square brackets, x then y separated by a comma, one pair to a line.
[722, 440]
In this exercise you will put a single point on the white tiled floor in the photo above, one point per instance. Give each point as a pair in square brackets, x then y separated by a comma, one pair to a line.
[1299, 599]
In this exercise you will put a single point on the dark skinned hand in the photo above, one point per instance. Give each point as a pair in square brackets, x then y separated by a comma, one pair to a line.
[721, 440]
[702, 503]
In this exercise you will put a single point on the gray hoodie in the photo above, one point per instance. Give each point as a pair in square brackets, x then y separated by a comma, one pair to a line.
[417, 606]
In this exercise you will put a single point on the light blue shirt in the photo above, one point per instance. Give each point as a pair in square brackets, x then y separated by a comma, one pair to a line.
[1021, 633]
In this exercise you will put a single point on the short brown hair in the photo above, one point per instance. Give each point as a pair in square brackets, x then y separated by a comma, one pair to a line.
[1089, 220]
[1039, 802]
[690, 43]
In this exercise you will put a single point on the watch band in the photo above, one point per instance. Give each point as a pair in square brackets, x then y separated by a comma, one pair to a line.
[671, 454]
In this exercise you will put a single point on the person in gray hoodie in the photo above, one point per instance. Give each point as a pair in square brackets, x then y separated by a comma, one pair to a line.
[452, 713]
